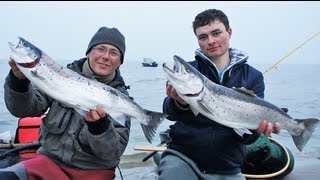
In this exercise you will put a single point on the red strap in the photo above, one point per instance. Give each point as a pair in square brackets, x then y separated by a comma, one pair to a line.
[30, 121]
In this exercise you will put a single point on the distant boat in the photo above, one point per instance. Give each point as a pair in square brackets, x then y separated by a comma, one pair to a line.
[149, 62]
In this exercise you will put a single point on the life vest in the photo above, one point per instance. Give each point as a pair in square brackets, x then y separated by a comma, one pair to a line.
[26, 142]
[28, 132]
[28, 129]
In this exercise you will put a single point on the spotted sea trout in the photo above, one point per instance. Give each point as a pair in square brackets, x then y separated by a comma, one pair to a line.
[77, 91]
[237, 108]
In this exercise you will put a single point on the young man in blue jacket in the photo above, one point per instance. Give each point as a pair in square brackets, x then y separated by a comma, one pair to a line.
[201, 148]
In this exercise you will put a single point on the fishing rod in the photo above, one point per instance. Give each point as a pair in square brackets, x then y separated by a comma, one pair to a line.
[17, 148]
[274, 65]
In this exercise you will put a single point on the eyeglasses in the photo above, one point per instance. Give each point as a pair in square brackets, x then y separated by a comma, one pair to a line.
[111, 52]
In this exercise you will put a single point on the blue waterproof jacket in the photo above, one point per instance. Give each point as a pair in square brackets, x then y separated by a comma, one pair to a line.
[215, 148]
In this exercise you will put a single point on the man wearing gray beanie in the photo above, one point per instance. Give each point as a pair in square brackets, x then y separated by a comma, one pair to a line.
[74, 145]
[108, 36]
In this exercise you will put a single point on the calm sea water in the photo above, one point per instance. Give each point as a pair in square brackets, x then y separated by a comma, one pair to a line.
[292, 86]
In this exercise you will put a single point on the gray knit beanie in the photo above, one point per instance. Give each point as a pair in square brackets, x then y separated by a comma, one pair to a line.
[108, 36]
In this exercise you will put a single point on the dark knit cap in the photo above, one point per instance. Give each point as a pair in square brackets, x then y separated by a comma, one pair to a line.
[108, 36]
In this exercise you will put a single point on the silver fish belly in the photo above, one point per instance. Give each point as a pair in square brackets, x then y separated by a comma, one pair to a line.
[236, 108]
[77, 91]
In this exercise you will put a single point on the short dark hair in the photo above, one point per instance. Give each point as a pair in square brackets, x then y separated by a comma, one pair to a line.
[208, 16]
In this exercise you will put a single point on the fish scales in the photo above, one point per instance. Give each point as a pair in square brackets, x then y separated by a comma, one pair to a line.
[77, 91]
[247, 108]
[237, 108]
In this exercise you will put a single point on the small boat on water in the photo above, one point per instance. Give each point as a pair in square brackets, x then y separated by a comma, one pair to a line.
[149, 62]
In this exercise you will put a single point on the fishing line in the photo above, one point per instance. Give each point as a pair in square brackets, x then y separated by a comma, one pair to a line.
[282, 59]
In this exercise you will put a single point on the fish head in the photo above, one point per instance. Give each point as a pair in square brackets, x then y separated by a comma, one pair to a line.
[184, 78]
[24, 53]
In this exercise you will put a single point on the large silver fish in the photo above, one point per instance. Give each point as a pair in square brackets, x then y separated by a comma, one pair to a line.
[79, 92]
[239, 109]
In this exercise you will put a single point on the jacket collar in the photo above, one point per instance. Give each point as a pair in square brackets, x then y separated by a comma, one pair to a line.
[236, 57]
[78, 64]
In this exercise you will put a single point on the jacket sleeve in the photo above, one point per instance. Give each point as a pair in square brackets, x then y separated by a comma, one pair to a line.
[258, 86]
[22, 99]
[174, 110]
[107, 138]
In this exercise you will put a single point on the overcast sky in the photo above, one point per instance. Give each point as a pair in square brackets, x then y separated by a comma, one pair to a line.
[267, 31]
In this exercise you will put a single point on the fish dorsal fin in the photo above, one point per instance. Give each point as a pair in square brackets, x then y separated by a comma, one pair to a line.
[245, 91]
[285, 110]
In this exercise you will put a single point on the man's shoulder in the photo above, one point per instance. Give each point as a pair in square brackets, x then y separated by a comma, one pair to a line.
[252, 69]
[76, 64]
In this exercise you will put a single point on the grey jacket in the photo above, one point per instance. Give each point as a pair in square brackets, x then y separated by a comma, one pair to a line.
[65, 136]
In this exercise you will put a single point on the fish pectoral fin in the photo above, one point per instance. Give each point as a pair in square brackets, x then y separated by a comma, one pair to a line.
[36, 74]
[245, 91]
[241, 131]
[81, 111]
[195, 112]
[202, 104]
[118, 118]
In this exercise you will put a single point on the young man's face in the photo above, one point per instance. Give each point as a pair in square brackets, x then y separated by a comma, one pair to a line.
[104, 59]
[213, 39]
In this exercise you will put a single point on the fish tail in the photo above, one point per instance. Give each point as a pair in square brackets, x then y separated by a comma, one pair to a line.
[310, 125]
[155, 118]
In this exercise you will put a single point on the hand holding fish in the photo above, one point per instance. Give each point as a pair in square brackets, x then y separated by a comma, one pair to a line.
[60, 83]
[95, 115]
[16, 71]
[237, 108]
[173, 93]
[267, 128]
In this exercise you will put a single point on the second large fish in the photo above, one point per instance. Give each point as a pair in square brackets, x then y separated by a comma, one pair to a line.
[238, 109]
[77, 91]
